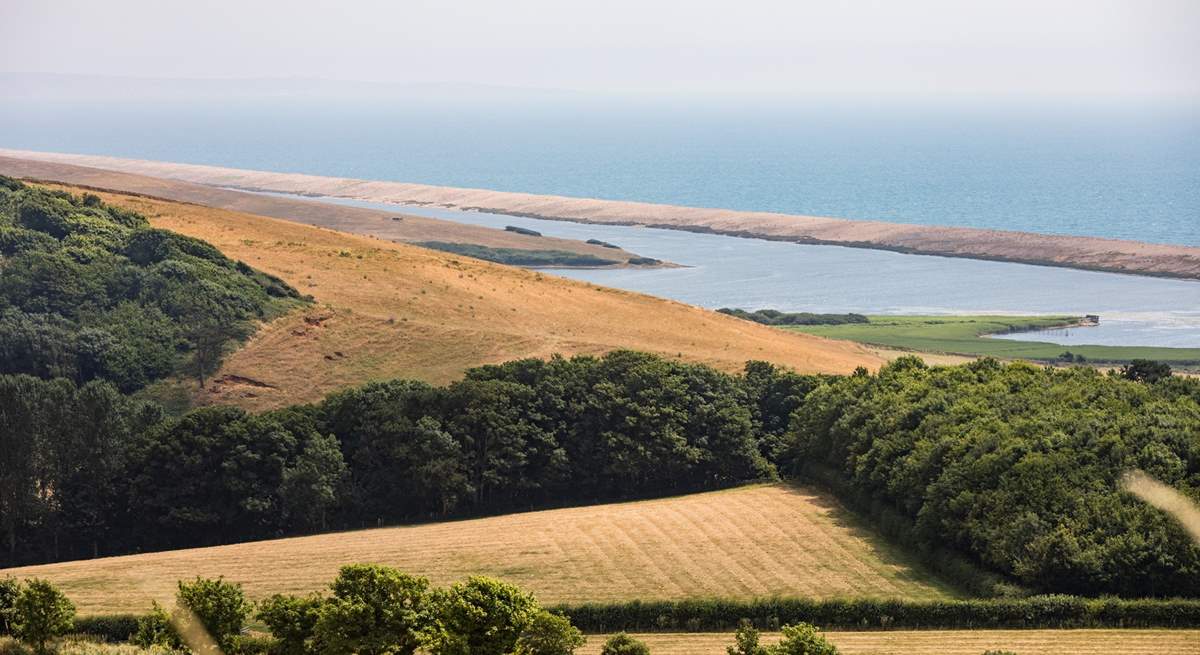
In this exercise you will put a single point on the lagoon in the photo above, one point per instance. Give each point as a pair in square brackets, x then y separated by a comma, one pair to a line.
[722, 271]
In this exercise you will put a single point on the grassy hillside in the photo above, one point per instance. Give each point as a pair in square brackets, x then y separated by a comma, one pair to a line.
[964, 335]
[746, 542]
[946, 642]
[387, 310]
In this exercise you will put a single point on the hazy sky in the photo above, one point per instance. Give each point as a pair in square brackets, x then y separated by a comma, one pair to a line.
[913, 47]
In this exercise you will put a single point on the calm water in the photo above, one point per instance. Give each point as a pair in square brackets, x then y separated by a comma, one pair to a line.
[1131, 174]
[753, 274]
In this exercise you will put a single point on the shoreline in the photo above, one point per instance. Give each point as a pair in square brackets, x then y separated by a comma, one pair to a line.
[1085, 253]
[375, 223]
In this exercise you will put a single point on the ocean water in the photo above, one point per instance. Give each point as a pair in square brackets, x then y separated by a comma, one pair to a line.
[724, 271]
[1131, 173]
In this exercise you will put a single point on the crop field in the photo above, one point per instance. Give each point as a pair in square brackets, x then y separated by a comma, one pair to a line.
[388, 310]
[963, 335]
[747, 542]
[947, 642]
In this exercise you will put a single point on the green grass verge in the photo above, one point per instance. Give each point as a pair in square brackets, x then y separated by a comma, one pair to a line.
[965, 335]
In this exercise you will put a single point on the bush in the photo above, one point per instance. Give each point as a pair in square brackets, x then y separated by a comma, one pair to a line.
[41, 613]
[481, 616]
[1053, 612]
[253, 645]
[155, 630]
[623, 644]
[291, 621]
[746, 642]
[112, 628]
[802, 639]
[549, 634]
[9, 590]
[1146, 370]
[219, 606]
[375, 610]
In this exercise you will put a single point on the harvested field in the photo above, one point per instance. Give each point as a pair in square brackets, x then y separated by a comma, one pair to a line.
[747, 542]
[388, 310]
[948, 642]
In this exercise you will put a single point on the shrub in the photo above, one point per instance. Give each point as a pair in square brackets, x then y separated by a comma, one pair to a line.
[1048, 612]
[9, 589]
[155, 630]
[746, 641]
[802, 639]
[375, 610]
[253, 645]
[623, 644]
[1145, 370]
[549, 634]
[41, 613]
[481, 616]
[291, 620]
[112, 628]
[219, 606]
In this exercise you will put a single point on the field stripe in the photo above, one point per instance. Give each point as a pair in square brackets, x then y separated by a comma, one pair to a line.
[749, 542]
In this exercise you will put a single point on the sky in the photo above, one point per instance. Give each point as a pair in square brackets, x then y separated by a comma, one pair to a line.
[922, 48]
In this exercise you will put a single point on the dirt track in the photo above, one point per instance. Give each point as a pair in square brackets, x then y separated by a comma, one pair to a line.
[1074, 252]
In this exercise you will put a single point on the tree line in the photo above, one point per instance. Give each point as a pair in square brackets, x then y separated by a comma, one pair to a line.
[370, 610]
[89, 471]
[89, 291]
[1016, 466]
[1019, 466]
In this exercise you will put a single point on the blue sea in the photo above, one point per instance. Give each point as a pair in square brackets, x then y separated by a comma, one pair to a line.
[724, 271]
[1123, 172]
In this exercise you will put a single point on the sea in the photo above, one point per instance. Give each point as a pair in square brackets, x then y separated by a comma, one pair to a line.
[1122, 172]
[1128, 172]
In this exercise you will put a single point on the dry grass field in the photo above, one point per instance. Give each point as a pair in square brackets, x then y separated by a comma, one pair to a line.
[747, 542]
[386, 310]
[905, 642]
[948, 642]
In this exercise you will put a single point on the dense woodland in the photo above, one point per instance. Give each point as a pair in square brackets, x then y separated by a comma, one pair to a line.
[89, 292]
[1014, 466]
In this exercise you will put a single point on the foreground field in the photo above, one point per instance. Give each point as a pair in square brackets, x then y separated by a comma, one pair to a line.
[386, 310]
[753, 541]
[903, 642]
[964, 335]
[947, 642]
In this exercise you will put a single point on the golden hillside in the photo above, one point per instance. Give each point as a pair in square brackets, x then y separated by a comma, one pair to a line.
[746, 542]
[388, 310]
